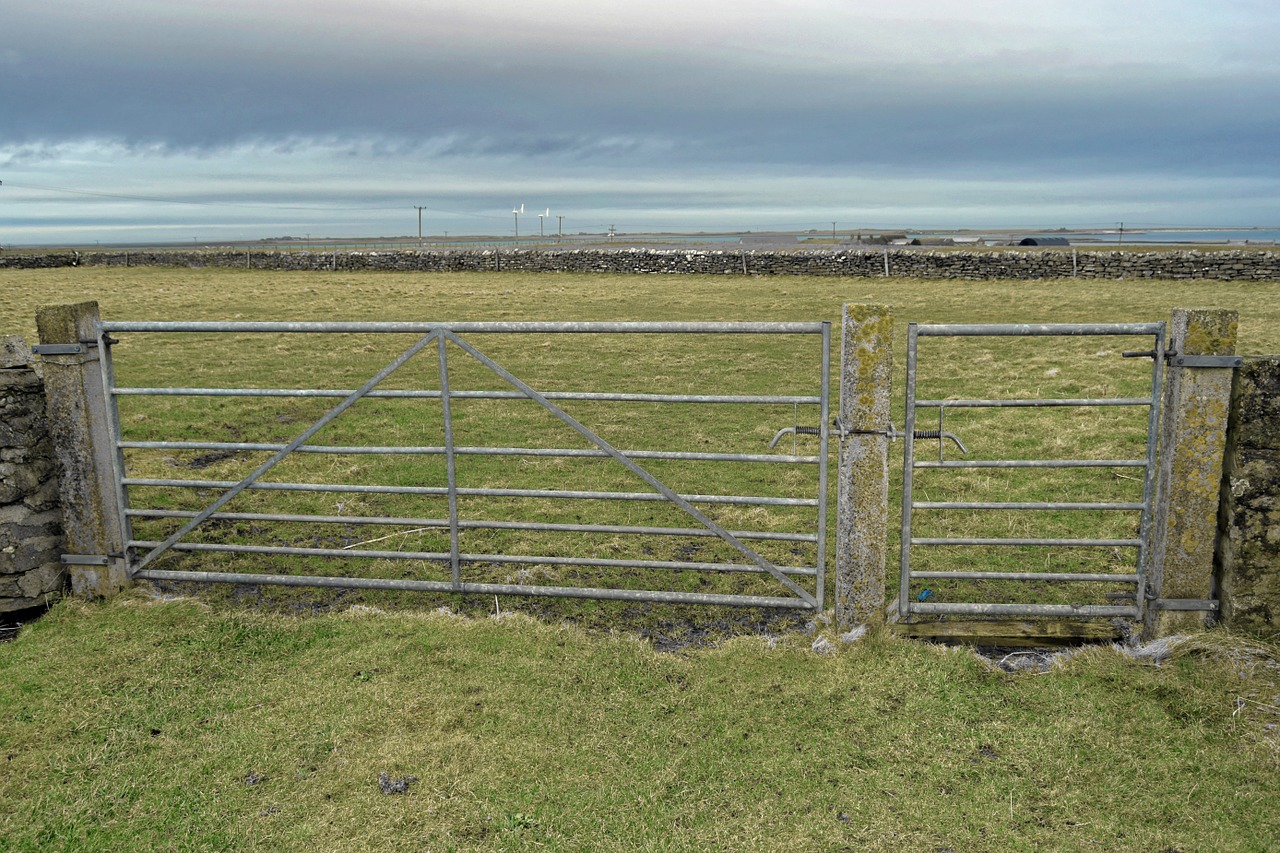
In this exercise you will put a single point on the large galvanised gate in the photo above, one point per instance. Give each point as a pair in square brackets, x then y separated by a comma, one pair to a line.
[773, 535]
[964, 574]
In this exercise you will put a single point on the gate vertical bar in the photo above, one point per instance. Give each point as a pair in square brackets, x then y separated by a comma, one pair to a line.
[455, 569]
[108, 370]
[1149, 475]
[824, 425]
[908, 469]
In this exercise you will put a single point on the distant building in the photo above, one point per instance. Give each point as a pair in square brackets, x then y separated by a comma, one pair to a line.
[1044, 241]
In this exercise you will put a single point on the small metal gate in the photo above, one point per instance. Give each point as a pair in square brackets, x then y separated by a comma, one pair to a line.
[802, 585]
[915, 599]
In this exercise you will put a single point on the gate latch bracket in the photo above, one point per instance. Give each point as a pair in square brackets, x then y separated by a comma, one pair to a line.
[57, 349]
[1202, 605]
[1230, 361]
[84, 560]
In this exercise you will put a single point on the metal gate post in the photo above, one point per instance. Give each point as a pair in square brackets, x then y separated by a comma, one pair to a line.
[80, 419]
[1193, 432]
[862, 497]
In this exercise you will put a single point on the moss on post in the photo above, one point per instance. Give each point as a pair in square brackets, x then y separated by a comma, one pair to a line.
[80, 428]
[862, 508]
[1193, 433]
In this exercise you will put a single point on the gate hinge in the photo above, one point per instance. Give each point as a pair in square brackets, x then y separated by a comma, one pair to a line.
[58, 349]
[84, 560]
[1189, 604]
[1231, 361]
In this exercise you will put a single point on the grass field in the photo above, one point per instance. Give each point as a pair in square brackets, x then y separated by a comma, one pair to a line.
[219, 723]
[143, 725]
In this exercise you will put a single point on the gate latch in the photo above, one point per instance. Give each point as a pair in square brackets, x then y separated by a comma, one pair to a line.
[892, 432]
[1229, 361]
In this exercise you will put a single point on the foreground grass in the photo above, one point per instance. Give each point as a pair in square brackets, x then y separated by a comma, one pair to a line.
[140, 725]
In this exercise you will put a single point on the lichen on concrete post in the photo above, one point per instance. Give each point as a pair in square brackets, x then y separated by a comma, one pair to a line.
[862, 502]
[79, 420]
[1193, 433]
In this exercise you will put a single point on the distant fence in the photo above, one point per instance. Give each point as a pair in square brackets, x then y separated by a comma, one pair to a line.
[1227, 265]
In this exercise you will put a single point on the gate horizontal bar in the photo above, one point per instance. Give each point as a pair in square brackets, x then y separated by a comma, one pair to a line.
[1046, 403]
[1001, 505]
[620, 328]
[480, 588]
[1088, 610]
[443, 523]
[1100, 577]
[735, 500]
[1073, 543]
[1035, 329]
[599, 396]
[444, 556]
[1037, 463]
[683, 456]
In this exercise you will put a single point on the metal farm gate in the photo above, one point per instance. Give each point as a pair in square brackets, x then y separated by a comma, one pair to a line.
[796, 583]
[965, 588]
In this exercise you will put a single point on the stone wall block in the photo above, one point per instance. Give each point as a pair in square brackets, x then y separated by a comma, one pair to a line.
[1248, 558]
[31, 541]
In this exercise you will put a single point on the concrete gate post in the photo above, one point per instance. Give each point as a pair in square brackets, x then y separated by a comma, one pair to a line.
[862, 494]
[1193, 434]
[79, 423]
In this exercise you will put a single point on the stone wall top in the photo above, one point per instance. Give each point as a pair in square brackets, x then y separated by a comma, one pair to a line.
[1225, 264]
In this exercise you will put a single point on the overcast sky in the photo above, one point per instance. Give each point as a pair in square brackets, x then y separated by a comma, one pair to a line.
[172, 120]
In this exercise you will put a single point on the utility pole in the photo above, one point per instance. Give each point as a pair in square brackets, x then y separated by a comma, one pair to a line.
[1121, 241]
[419, 209]
[833, 232]
[560, 226]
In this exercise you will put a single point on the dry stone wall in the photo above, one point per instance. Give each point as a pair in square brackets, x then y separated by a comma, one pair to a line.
[30, 513]
[1228, 265]
[1249, 543]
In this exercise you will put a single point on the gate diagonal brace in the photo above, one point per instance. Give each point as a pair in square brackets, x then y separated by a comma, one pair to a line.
[302, 439]
[640, 472]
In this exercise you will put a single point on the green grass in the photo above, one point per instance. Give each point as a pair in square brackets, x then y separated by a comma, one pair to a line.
[145, 725]
[948, 368]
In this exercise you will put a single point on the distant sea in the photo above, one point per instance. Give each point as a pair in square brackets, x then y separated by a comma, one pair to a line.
[1265, 236]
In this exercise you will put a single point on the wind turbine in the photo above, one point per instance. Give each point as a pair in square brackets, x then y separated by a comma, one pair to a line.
[542, 216]
[516, 212]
